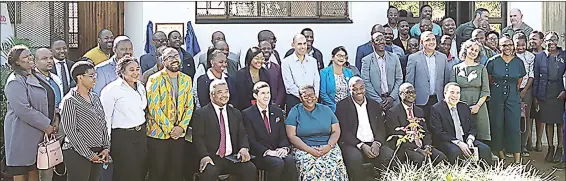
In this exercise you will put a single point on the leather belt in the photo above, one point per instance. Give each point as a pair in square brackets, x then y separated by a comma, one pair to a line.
[136, 128]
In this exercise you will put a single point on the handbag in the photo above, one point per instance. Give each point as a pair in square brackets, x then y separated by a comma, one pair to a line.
[523, 110]
[49, 153]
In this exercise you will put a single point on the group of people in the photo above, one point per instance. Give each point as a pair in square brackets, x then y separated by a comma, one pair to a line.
[436, 93]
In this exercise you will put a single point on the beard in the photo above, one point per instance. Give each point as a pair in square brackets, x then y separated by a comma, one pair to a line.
[172, 69]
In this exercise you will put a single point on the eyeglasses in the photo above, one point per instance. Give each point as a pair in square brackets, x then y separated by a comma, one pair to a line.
[409, 92]
[308, 96]
[341, 56]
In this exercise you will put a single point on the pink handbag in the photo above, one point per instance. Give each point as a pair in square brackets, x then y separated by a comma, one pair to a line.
[49, 153]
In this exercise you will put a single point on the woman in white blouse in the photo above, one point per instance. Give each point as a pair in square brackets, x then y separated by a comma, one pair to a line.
[124, 101]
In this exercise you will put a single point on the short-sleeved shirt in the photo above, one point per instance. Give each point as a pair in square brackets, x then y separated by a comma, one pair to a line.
[314, 128]
[96, 55]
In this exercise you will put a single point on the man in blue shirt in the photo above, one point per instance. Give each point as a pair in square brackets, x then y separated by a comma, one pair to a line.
[106, 71]
[425, 13]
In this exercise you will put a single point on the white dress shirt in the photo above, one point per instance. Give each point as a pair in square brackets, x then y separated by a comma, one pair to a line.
[123, 106]
[529, 62]
[431, 63]
[58, 69]
[458, 129]
[226, 127]
[365, 134]
[296, 74]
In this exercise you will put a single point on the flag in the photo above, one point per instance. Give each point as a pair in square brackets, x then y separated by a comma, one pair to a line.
[149, 48]
[191, 42]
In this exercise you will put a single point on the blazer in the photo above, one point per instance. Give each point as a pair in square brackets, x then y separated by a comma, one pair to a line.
[397, 41]
[72, 82]
[348, 117]
[328, 85]
[206, 131]
[160, 103]
[260, 141]
[203, 87]
[397, 117]
[442, 124]
[417, 74]
[403, 60]
[372, 76]
[26, 117]
[58, 81]
[276, 83]
[316, 54]
[187, 63]
[147, 61]
[541, 73]
[243, 94]
[362, 51]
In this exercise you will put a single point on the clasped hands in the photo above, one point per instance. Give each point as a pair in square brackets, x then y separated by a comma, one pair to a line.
[243, 155]
[102, 157]
[465, 147]
[176, 132]
[371, 151]
[279, 152]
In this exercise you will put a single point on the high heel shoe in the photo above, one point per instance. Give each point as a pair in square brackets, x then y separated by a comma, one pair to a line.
[558, 155]
[550, 154]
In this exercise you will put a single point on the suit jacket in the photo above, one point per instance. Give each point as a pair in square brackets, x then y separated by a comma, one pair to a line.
[541, 73]
[260, 141]
[348, 117]
[147, 61]
[362, 51]
[403, 60]
[397, 41]
[188, 63]
[442, 124]
[417, 74]
[203, 87]
[328, 85]
[397, 117]
[243, 94]
[72, 82]
[276, 83]
[372, 76]
[316, 54]
[206, 131]
[277, 56]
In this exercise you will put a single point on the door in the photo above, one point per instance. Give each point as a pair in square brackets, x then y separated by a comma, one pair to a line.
[95, 16]
[554, 19]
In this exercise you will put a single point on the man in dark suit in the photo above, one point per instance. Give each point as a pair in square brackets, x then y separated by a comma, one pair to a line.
[367, 48]
[187, 61]
[311, 51]
[219, 136]
[453, 129]
[404, 36]
[62, 66]
[267, 136]
[400, 116]
[412, 47]
[362, 131]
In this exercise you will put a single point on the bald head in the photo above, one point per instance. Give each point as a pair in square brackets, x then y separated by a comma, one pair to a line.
[516, 17]
[42, 52]
[43, 60]
[222, 46]
[300, 44]
[218, 36]
[377, 28]
[405, 86]
[159, 39]
[59, 50]
[267, 35]
[298, 37]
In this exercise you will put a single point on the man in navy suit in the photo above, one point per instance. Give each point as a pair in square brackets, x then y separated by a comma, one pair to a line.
[454, 133]
[367, 48]
[267, 137]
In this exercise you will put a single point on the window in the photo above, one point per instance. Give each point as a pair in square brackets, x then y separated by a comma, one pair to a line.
[264, 12]
[73, 28]
[497, 13]
[413, 7]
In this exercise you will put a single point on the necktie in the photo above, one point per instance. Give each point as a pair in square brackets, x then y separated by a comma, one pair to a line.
[222, 146]
[410, 110]
[267, 64]
[64, 77]
[266, 121]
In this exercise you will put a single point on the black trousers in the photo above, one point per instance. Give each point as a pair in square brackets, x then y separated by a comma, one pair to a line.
[80, 168]
[246, 171]
[191, 162]
[278, 169]
[427, 107]
[165, 159]
[291, 101]
[418, 158]
[129, 152]
[354, 159]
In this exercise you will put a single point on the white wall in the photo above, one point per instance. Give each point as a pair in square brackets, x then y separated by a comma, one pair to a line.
[532, 13]
[327, 36]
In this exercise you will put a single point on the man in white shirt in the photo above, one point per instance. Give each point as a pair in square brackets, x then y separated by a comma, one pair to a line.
[62, 66]
[363, 131]
[298, 70]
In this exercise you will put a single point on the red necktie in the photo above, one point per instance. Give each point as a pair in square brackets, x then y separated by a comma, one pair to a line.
[222, 146]
[266, 121]
[410, 110]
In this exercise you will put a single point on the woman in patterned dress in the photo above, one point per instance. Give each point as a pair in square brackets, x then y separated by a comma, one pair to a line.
[313, 130]
[333, 79]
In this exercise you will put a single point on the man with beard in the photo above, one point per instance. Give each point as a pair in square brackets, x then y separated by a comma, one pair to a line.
[412, 47]
[275, 77]
[425, 13]
[266, 35]
[367, 48]
[362, 131]
[62, 65]
[216, 37]
[449, 28]
[535, 42]
[187, 62]
[427, 70]
[402, 115]
[106, 71]
[148, 60]
[393, 20]
[103, 51]
[517, 24]
[311, 51]
[403, 38]
[388, 35]
[170, 108]
[464, 31]
[382, 74]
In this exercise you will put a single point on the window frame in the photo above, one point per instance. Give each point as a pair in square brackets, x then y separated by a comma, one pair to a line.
[227, 19]
[415, 20]
[495, 20]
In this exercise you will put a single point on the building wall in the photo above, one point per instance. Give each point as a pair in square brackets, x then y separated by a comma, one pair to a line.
[532, 13]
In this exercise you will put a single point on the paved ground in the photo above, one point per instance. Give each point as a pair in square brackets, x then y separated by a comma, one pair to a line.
[537, 159]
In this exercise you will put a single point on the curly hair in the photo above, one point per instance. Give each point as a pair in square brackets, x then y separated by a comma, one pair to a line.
[467, 44]
[14, 56]
[123, 63]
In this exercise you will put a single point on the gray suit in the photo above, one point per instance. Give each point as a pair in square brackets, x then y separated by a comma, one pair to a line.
[417, 74]
[371, 74]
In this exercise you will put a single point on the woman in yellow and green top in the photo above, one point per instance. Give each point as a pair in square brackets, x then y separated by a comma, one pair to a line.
[170, 108]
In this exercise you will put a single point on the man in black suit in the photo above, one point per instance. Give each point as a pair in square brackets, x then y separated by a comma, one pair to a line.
[453, 129]
[267, 136]
[412, 47]
[399, 117]
[362, 131]
[311, 50]
[62, 66]
[219, 136]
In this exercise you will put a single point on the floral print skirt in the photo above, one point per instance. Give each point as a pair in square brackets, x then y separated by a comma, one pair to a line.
[327, 167]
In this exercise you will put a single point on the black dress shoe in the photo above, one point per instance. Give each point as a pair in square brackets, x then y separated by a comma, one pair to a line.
[550, 154]
[558, 155]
